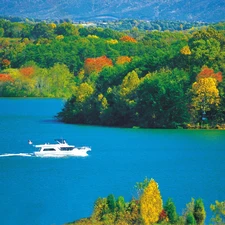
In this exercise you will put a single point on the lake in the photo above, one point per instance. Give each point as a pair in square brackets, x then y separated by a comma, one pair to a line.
[47, 191]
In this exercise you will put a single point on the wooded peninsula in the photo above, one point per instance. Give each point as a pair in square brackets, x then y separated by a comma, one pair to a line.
[132, 78]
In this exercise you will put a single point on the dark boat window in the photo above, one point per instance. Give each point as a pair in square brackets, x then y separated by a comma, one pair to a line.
[66, 148]
[49, 149]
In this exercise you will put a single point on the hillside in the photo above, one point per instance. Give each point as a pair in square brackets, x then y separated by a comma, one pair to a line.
[127, 78]
[191, 10]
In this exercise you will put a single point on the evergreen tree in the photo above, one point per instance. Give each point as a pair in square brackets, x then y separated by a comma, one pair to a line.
[190, 219]
[199, 212]
[111, 201]
[170, 209]
[120, 204]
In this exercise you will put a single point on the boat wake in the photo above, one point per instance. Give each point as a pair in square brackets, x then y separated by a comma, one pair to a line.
[17, 154]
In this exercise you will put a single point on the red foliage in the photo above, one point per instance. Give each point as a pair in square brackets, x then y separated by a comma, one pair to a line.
[27, 71]
[207, 72]
[163, 215]
[128, 39]
[96, 64]
[5, 78]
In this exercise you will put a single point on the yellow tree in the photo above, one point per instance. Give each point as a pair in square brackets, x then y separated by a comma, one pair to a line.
[185, 50]
[151, 204]
[218, 213]
[100, 209]
[84, 91]
[205, 94]
[103, 103]
[130, 82]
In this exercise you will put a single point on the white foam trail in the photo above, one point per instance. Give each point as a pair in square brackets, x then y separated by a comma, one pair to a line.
[16, 154]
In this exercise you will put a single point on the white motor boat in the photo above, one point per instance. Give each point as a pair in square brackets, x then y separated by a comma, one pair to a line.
[60, 149]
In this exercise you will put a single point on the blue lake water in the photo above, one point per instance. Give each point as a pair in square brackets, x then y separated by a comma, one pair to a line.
[47, 191]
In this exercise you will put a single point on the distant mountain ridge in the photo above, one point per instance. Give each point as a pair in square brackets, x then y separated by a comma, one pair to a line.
[186, 10]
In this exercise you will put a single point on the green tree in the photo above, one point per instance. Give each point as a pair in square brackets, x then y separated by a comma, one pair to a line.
[206, 48]
[80, 108]
[66, 29]
[162, 99]
[140, 187]
[41, 82]
[1, 32]
[111, 201]
[170, 209]
[61, 81]
[188, 210]
[120, 204]
[42, 30]
[190, 219]
[199, 212]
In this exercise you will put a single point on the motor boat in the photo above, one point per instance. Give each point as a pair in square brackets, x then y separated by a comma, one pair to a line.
[60, 149]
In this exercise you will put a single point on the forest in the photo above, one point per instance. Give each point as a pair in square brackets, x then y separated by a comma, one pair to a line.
[131, 78]
[148, 208]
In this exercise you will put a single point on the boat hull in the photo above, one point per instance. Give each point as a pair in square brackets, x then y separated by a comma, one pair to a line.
[76, 153]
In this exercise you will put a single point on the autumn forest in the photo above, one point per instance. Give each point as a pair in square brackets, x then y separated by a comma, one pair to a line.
[130, 78]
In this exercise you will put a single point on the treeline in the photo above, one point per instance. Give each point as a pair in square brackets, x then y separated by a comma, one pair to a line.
[143, 25]
[148, 209]
[121, 24]
[130, 78]
[33, 20]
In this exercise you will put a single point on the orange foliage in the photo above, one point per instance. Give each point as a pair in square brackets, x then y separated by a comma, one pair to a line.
[128, 39]
[207, 72]
[123, 59]
[5, 78]
[6, 62]
[96, 64]
[27, 71]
